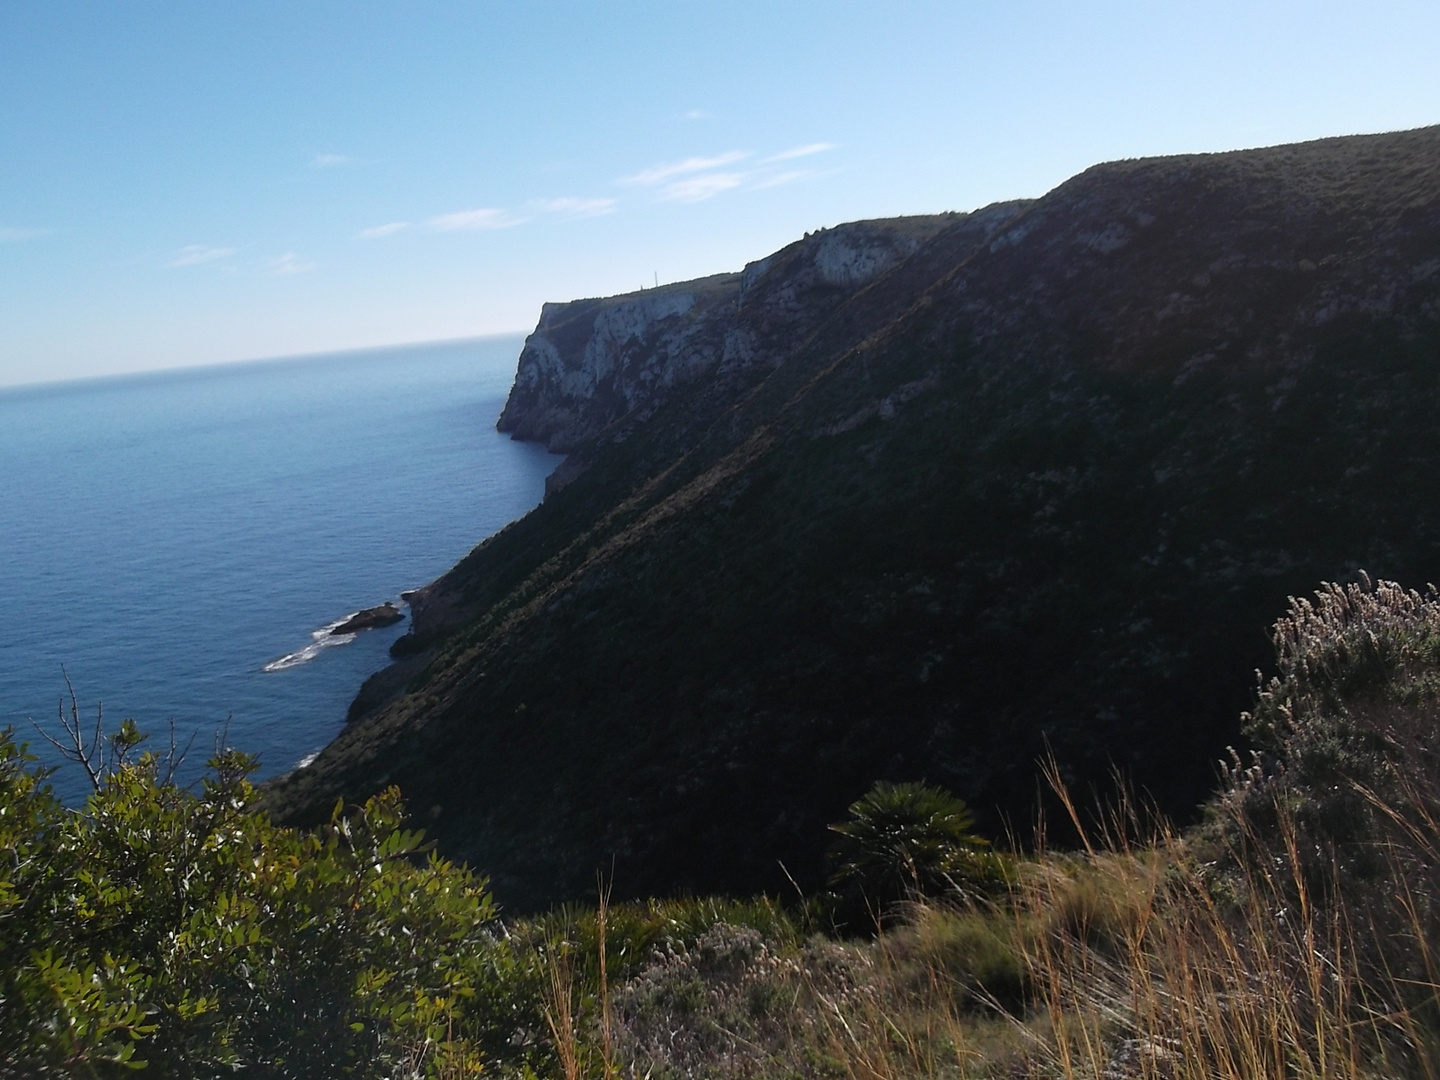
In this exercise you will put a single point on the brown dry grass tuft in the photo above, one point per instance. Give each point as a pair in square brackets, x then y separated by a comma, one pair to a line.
[1126, 960]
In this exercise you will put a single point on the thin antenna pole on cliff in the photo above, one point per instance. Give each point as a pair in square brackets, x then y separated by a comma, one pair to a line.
[657, 278]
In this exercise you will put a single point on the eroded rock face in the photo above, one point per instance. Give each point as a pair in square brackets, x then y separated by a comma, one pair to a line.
[591, 363]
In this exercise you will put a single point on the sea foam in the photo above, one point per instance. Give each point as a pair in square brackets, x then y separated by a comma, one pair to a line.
[319, 639]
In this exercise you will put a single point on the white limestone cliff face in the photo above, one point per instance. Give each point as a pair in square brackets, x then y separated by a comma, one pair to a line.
[618, 332]
[588, 363]
[850, 257]
[592, 362]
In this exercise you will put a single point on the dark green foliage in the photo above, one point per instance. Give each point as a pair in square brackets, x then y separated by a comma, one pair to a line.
[908, 840]
[183, 931]
[1021, 491]
[633, 931]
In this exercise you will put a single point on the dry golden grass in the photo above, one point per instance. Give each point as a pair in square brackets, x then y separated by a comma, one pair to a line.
[1292, 936]
[1125, 960]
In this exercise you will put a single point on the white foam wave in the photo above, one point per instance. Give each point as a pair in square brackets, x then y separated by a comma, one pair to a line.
[319, 639]
[308, 760]
[323, 638]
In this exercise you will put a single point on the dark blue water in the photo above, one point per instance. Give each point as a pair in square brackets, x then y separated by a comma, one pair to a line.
[165, 538]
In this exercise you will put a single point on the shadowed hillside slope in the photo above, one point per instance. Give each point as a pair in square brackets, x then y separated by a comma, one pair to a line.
[1038, 475]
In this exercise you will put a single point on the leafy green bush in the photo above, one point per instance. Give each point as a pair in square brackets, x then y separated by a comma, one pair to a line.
[183, 931]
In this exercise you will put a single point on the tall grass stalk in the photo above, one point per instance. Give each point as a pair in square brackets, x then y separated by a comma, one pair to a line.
[607, 1025]
[559, 1010]
[1164, 975]
[1131, 959]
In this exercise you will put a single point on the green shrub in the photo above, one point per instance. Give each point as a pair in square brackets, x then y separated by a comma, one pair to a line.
[185, 932]
[907, 840]
[634, 930]
[729, 1003]
[1341, 812]
[1348, 729]
[976, 953]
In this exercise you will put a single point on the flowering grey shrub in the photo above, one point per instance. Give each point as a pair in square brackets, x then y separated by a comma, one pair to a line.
[731, 1005]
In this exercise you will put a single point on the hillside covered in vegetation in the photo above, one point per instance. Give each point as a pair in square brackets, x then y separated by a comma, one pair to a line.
[919, 500]
[1291, 934]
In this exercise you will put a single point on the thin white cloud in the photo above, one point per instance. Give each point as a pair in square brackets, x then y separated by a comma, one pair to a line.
[195, 254]
[659, 174]
[791, 177]
[700, 188]
[699, 114]
[474, 220]
[12, 235]
[330, 161]
[801, 151]
[696, 179]
[290, 263]
[575, 208]
[390, 228]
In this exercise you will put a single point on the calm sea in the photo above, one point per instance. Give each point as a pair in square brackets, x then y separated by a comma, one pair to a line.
[178, 543]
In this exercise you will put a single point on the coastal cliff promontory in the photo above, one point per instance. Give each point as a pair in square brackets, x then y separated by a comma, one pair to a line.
[591, 363]
[922, 499]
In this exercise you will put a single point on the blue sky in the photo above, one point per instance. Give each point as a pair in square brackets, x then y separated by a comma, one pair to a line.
[189, 183]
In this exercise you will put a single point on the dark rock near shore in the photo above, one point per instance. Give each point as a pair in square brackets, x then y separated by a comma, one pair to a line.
[386, 614]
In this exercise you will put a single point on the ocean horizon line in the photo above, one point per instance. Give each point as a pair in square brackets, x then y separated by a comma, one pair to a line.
[46, 387]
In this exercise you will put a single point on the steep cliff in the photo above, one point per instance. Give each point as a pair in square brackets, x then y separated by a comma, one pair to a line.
[590, 363]
[919, 499]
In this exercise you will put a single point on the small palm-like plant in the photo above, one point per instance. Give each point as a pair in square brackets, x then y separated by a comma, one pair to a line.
[904, 840]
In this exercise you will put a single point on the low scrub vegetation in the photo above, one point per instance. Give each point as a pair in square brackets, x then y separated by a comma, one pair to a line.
[180, 931]
[1292, 934]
